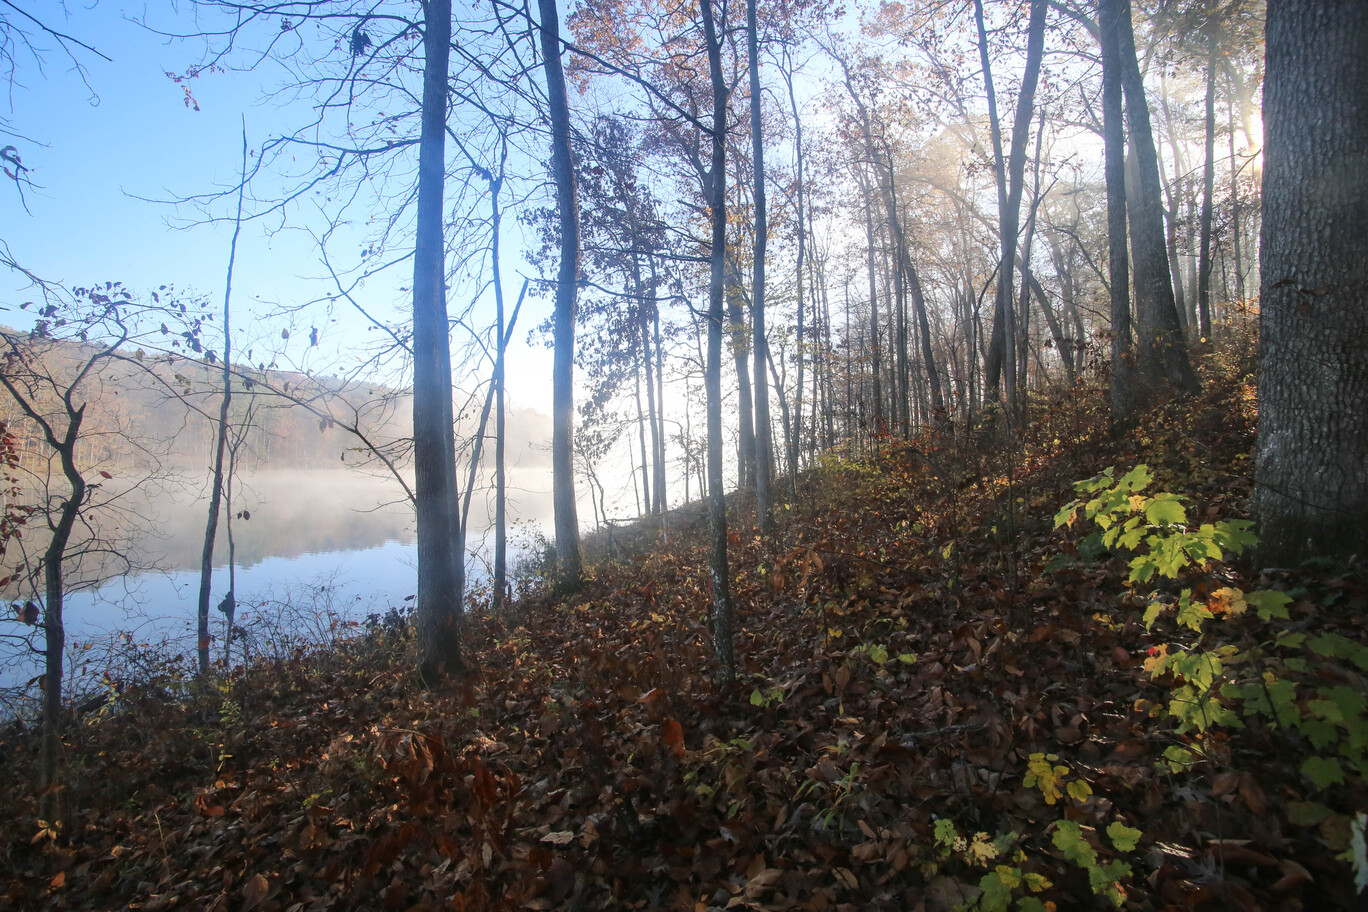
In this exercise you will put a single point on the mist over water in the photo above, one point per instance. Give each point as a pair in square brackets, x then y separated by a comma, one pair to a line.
[312, 545]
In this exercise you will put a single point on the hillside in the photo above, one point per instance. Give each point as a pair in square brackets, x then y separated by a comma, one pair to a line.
[943, 699]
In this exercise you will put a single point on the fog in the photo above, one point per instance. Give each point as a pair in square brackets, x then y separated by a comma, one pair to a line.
[311, 545]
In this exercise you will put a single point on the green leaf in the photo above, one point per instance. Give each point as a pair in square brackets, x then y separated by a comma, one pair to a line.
[757, 698]
[1165, 510]
[1323, 771]
[1078, 790]
[1136, 480]
[1068, 838]
[1123, 837]
[1153, 613]
[1269, 603]
[997, 896]
[1192, 614]
[1307, 813]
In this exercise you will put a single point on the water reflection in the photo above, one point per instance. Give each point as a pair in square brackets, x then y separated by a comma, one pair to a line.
[310, 545]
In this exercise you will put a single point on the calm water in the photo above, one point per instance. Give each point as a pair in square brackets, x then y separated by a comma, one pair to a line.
[318, 549]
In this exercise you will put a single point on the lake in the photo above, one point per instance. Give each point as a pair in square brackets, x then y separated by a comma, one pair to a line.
[314, 549]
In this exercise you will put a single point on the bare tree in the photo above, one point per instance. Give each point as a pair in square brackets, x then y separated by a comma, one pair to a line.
[569, 563]
[55, 375]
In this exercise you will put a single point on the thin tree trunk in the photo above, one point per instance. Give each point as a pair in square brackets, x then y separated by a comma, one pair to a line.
[745, 441]
[661, 494]
[500, 431]
[722, 610]
[221, 437]
[876, 367]
[1002, 345]
[1208, 188]
[764, 445]
[1061, 344]
[570, 569]
[1173, 194]
[793, 441]
[1236, 232]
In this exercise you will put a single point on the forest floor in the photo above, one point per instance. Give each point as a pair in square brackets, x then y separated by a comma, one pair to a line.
[942, 700]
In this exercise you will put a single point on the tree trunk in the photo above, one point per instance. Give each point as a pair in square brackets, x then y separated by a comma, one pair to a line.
[1002, 344]
[1162, 358]
[1208, 188]
[722, 610]
[1173, 195]
[500, 421]
[764, 445]
[570, 568]
[876, 366]
[1311, 490]
[662, 497]
[794, 439]
[745, 441]
[51, 805]
[1056, 333]
[440, 572]
[1123, 392]
[220, 442]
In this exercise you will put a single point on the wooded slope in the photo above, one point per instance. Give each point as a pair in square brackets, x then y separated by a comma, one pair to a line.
[924, 658]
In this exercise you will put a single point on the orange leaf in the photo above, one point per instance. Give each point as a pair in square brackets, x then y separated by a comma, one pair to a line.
[674, 736]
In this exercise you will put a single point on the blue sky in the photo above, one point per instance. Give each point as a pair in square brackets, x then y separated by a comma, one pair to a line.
[98, 152]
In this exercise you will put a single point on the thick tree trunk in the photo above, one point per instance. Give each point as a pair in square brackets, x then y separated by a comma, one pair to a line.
[440, 571]
[569, 568]
[1161, 357]
[1311, 477]
[1123, 392]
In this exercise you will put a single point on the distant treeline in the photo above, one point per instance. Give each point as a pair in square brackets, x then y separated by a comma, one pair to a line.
[145, 412]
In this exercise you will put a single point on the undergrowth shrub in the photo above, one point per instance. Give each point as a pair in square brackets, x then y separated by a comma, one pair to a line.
[1236, 660]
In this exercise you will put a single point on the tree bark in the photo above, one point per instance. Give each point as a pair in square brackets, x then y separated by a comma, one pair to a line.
[794, 441]
[500, 420]
[745, 441]
[1123, 392]
[1311, 476]
[440, 572]
[221, 440]
[569, 569]
[1002, 344]
[1161, 357]
[722, 609]
[1208, 188]
[764, 445]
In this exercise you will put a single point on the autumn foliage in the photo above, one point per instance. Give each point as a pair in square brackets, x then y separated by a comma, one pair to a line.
[941, 699]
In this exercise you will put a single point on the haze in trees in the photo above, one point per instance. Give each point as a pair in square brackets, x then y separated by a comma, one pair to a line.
[771, 675]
